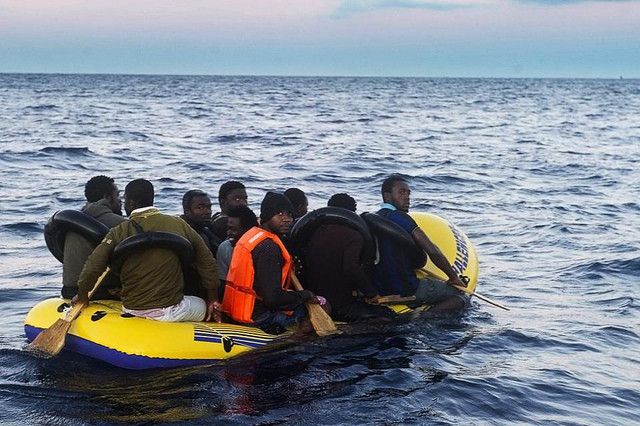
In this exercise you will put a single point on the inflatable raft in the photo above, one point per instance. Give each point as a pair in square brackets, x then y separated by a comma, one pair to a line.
[103, 332]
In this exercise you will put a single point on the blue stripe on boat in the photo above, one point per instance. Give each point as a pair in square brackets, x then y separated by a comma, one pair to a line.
[206, 334]
[238, 340]
[117, 358]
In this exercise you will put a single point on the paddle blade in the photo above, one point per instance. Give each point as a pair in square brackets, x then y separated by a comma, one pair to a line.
[50, 342]
[320, 320]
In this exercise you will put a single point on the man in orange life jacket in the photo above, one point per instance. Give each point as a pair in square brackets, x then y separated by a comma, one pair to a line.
[258, 285]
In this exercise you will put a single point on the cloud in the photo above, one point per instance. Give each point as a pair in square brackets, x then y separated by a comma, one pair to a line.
[561, 2]
[352, 7]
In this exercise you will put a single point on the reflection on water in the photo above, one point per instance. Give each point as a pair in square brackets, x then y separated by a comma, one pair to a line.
[378, 358]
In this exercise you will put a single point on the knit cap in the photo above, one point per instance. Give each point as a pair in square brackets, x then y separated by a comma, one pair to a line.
[272, 204]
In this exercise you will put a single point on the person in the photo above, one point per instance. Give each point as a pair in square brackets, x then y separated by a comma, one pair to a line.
[103, 204]
[299, 202]
[241, 219]
[394, 273]
[344, 201]
[196, 207]
[258, 282]
[152, 279]
[334, 268]
[231, 194]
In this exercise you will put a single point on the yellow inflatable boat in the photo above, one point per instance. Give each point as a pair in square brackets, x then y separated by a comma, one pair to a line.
[103, 332]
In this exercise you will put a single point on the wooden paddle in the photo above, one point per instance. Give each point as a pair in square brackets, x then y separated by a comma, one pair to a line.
[395, 298]
[481, 297]
[50, 342]
[320, 320]
[472, 293]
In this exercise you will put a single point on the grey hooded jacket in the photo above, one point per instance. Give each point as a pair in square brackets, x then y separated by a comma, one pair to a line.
[77, 249]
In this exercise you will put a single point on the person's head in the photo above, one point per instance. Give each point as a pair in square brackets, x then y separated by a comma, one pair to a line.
[232, 194]
[137, 194]
[196, 206]
[298, 200]
[342, 200]
[241, 219]
[395, 190]
[99, 187]
[276, 213]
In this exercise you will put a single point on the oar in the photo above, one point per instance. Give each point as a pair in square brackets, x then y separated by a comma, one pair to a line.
[472, 293]
[320, 320]
[481, 297]
[50, 342]
[395, 298]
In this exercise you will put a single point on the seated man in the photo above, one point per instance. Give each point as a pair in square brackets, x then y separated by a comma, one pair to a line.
[333, 268]
[241, 219]
[299, 202]
[231, 194]
[103, 204]
[152, 279]
[258, 288]
[395, 274]
[196, 207]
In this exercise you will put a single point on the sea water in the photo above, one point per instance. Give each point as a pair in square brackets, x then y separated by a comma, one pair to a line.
[542, 175]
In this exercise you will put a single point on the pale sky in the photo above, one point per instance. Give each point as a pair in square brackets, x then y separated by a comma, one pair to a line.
[431, 38]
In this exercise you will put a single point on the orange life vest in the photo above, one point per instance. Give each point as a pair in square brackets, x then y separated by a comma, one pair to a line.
[239, 297]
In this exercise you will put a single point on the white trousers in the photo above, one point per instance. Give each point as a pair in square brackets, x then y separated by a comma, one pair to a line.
[190, 308]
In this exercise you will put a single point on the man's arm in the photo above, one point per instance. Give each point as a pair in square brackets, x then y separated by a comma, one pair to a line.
[223, 259]
[267, 262]
[96, 264]
[112, 219]
[208, 272]
[436, 256]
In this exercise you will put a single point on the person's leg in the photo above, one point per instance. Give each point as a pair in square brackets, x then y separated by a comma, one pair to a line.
[285, 320]
[190, 308]
[440, 295]
[450, 304]
[361, 311]
[277, 322]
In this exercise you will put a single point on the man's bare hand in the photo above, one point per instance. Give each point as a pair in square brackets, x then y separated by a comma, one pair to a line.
[456, 281]
[77, 299]
[375, 300]
[214, 312]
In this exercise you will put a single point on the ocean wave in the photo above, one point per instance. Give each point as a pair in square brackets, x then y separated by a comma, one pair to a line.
[41, 108]
[619, 304]
[73, 151]
[615, 335]
[23, 228]
[429, 138]
[130, 135]
[599, 269]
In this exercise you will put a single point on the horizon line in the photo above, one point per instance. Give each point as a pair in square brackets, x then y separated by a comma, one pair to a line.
[314, 76]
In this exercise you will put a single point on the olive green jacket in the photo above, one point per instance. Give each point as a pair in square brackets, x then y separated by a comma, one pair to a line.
[151, 278]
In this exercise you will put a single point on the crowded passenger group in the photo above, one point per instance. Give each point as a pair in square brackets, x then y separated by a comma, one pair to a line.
[236, 266]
